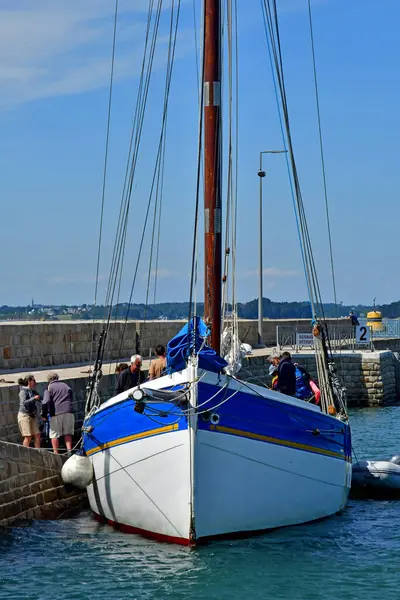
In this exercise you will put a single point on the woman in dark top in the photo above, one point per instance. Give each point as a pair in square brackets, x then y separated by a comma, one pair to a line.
[27, 419]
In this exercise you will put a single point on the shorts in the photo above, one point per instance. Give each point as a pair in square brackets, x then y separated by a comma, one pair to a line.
[28, 426]
[62, 425]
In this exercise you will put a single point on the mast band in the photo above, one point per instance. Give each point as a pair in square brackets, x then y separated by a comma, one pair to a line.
[216, 94]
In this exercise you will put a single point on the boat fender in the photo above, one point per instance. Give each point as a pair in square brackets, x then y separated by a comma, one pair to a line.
[395, 460]
[77, 471]
[214, 418]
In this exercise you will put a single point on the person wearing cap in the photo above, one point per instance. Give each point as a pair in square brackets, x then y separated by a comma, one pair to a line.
[132, 376]
[273, 370]
[57, 402]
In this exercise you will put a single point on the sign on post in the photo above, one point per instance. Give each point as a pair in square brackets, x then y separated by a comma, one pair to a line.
[304, 339]
[363, 335]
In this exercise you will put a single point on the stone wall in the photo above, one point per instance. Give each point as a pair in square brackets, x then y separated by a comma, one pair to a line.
[30, 345]
[31, 486]
[370, 378]
[35, 344]
[42, 344]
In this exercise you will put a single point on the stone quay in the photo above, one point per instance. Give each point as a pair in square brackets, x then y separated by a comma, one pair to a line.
[30, 482]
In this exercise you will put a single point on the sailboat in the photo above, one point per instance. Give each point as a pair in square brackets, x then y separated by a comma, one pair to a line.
[198, 453]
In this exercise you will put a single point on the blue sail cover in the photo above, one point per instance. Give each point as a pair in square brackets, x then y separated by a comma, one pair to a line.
[191, 337]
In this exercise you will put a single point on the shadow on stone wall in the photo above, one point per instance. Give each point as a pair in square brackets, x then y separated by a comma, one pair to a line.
[31, 486]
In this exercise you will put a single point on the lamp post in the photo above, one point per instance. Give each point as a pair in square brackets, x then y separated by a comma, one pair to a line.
[261, 175]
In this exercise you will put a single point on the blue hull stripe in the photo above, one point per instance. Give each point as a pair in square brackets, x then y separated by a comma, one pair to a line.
[240, 414]
[132, 438]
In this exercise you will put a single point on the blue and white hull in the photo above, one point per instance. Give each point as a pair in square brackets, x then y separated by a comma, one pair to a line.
[247, 459]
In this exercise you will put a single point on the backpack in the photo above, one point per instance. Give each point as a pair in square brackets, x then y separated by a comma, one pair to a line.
[303, 389]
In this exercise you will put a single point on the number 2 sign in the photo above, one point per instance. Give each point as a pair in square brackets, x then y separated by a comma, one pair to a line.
[363, 334]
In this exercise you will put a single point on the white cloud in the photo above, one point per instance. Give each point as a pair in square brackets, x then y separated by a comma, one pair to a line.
[55, 47]
[273, 272]
[71, 279]
[161, 273]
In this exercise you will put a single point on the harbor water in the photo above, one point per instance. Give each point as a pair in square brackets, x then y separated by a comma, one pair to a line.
[353, 555]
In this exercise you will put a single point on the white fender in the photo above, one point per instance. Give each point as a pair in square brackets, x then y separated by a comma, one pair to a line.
[77, 471]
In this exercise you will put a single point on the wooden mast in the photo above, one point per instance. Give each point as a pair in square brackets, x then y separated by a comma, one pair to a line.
[212, 168]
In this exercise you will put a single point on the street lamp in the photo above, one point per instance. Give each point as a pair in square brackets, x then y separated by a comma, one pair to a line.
[261, 175]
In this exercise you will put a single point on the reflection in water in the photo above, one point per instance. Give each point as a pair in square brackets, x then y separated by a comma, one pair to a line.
[352, 555]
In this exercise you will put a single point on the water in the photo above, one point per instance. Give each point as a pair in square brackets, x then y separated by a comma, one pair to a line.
[353, 555]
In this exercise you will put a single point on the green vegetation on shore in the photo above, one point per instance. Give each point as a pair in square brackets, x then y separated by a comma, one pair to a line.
[180, 310]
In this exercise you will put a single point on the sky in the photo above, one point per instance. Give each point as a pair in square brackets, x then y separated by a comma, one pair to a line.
[54, 79]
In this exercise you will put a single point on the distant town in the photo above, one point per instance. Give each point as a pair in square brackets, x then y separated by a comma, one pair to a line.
[180, 310]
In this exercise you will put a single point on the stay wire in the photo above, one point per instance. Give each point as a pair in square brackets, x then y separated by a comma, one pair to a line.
[141, 106]
[287, 160]
[160, 145]
[103, 192]
[159, 216]
[322, 155]
[229, 192]
[124, 211]
[193, 271]
[273, 25]
[159, 166]
[121, 226]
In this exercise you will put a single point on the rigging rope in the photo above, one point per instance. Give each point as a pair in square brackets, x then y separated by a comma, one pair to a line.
[103, 193]
[159, 216]
[225, 281]
[158, 160]
[326, 370]
[321, 145]
[120, 238]
[193, 270]
[160, 174]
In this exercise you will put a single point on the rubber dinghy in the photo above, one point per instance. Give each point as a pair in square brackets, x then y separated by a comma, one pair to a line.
[376, 478]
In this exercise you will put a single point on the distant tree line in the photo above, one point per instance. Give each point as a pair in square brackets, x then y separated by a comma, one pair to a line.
[180, 310]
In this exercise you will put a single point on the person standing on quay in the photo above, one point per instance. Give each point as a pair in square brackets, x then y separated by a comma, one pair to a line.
[157, 366]
[57, 402]
[27, 421]
[132, 376]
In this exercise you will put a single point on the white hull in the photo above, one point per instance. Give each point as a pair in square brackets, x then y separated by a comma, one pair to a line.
[191, 484]
[151, 492]
[245, 485]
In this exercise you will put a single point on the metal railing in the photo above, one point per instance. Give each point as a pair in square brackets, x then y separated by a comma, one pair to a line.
[342, 336]
[296, 339]
[388, 328]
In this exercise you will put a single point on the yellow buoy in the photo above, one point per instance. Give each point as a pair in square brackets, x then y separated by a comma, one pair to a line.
[374, 320]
